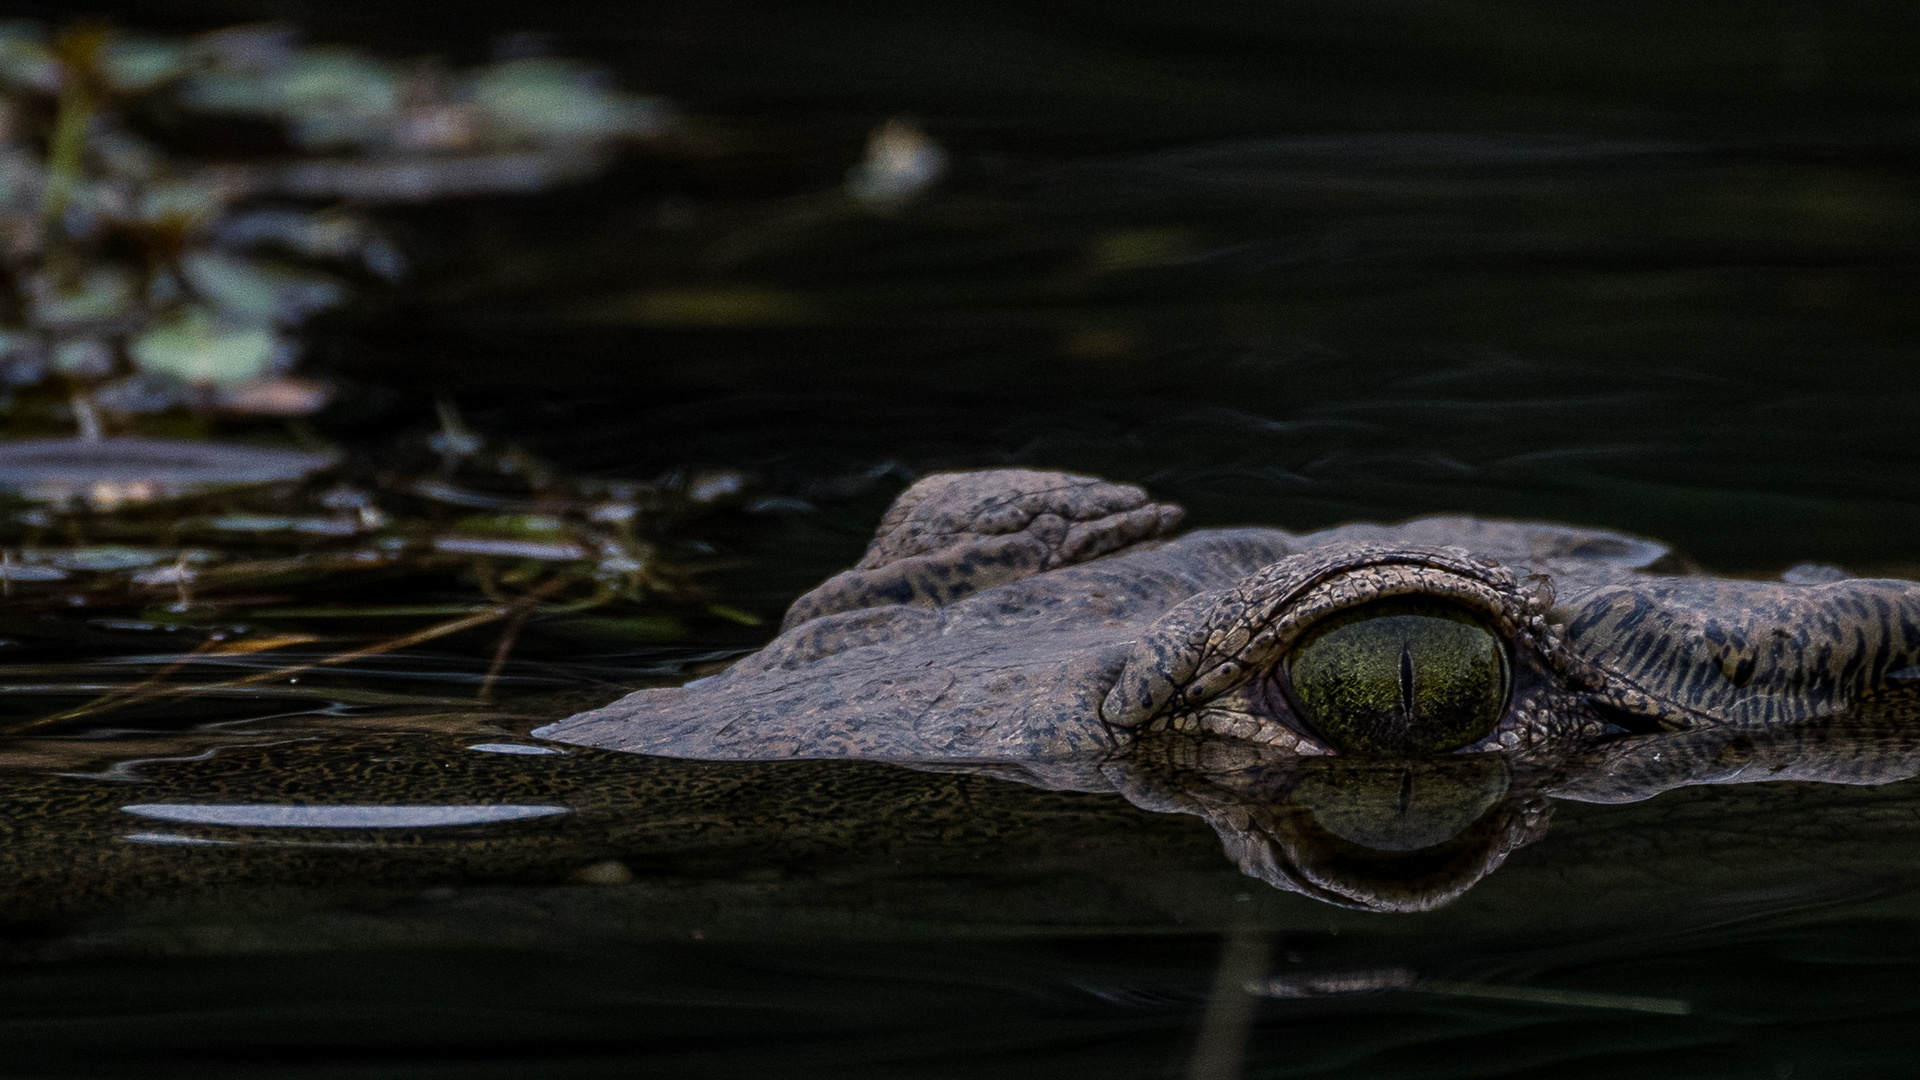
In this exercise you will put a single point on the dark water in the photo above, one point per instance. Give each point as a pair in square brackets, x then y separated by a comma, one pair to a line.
[1619, 264]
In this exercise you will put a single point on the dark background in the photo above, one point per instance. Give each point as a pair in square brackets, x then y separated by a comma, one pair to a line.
[1626, 264]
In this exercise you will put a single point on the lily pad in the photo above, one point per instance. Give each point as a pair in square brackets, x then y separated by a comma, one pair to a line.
[101, 557]
[548, 551]
[200, 349]
[108, 472]
[11, 571]
[264, 523]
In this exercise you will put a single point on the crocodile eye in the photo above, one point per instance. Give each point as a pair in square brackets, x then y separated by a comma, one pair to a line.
[1399, 677]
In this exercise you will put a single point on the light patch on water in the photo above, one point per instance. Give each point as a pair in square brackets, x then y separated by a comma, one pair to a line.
[253, 815]
[164, 839]
[174, 840]
[512, 748]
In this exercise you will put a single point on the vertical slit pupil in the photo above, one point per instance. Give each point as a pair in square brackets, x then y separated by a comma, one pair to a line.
[1407, 696]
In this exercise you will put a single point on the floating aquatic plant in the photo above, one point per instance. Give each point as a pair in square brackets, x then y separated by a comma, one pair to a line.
[360, 558]
[136, 277]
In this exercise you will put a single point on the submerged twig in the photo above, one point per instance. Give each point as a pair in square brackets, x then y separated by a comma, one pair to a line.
[518, 609]
[502, 648]
[213, 646]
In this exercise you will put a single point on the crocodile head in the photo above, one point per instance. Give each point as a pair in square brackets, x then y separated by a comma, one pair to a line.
[1362, 652]
[1045, 621]
[1049, 628]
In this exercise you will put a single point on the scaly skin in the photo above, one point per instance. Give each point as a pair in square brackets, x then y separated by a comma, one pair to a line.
[1042, 622]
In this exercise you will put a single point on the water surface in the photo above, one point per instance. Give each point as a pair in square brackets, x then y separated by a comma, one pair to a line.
[1621, 266]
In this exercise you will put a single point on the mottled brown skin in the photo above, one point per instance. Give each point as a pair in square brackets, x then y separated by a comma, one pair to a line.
[1039, 623]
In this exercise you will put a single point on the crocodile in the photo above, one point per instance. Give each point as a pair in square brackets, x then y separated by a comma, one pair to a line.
[1372, 715]
[1040, 623]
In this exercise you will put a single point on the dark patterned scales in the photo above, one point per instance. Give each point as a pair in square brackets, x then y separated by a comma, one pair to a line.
[1040, 623]
[1749, 651]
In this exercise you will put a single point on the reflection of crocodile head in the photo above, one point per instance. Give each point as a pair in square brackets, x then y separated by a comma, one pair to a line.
[1039, 625]
[1414, 834]
[1383, 835]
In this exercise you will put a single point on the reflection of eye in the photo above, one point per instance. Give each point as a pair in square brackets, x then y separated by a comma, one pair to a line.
[1400, 676]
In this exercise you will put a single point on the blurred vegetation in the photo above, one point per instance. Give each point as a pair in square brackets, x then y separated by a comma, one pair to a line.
[174, 209]
[449, 537]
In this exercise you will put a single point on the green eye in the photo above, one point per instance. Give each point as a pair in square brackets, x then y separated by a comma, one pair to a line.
[1400, 677]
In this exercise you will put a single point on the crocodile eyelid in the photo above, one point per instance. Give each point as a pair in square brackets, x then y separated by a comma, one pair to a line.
[1205, 648]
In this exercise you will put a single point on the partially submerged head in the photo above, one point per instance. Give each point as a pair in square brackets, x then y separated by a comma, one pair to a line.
[1366, 653]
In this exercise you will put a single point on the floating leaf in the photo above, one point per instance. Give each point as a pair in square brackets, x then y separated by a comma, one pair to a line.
[513, 525]
[198, 349]
[177, 574]
[541, 99]
[227, 91]
[512, 549]
[67, 469]
[12, 571]
[133, 64]
[332, 87]
[83, 358]
[16, 342]
[180, 201]
[336, 80]
[263, 523]
[26, 57]
[105, 557]
[254, 293]
[100, 294]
